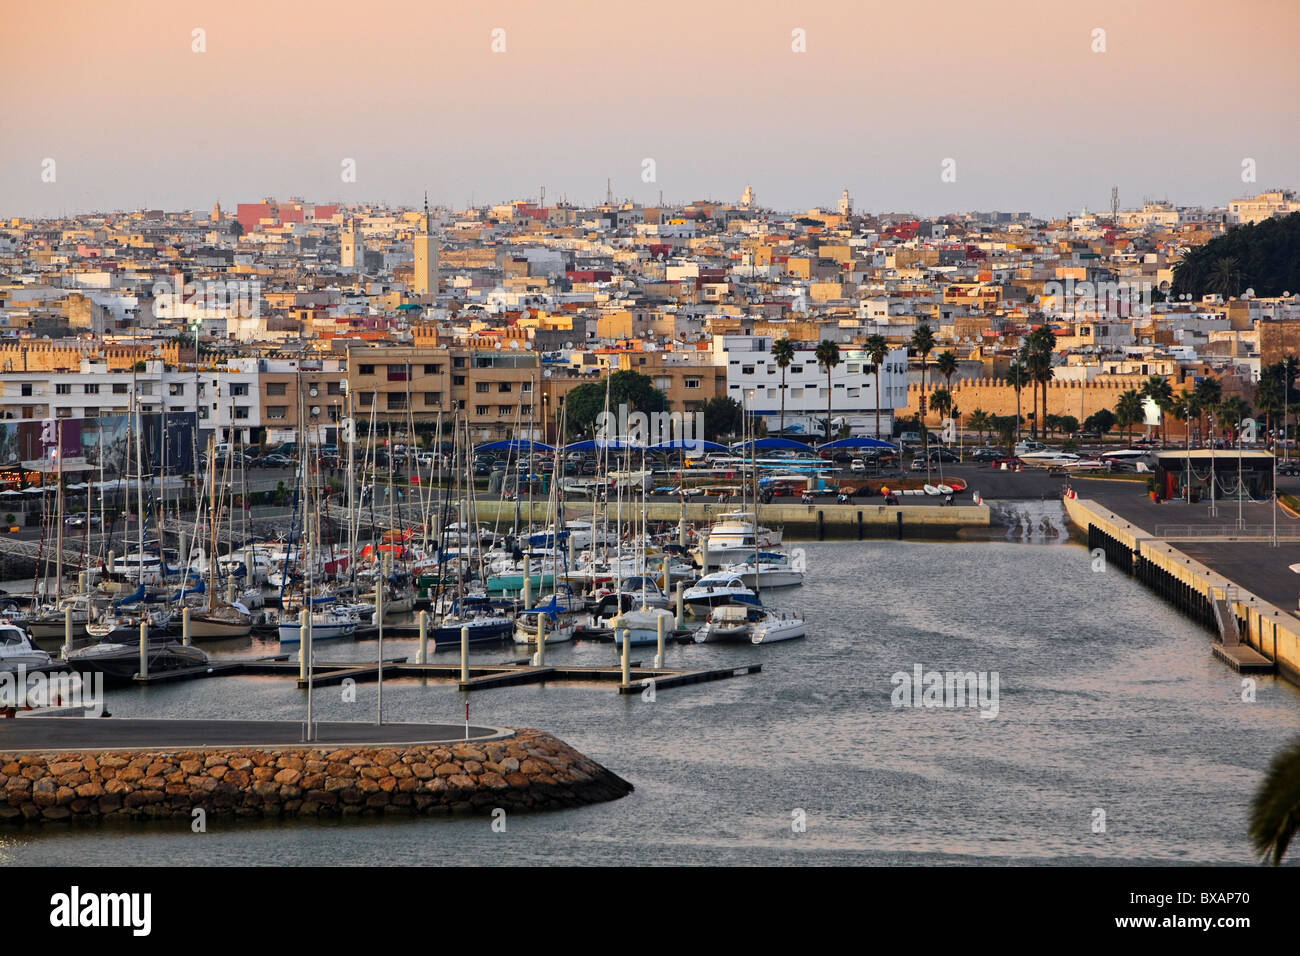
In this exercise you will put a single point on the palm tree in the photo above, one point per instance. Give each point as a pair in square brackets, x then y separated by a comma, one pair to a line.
[1158, 389]
[1225, 276]
[945, 363]
[1039, 345]
[1128, 411]
[783, 354]
[1275, 808]
[1018, 376]
[979, 420]
[923, 342]
[1269, 397]
[1208, 393]
[941, 401]
[1233, 410]
[877, 350]
[828, 356]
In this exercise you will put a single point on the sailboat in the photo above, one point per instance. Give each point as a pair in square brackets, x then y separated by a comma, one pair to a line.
[217, 618]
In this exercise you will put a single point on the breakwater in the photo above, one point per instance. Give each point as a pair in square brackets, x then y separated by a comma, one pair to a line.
[528, 770]
[1189, 584]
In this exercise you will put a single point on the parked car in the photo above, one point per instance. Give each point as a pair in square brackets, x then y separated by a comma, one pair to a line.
[80, 521]
[276, 460]
[918, 464]
[943, 455]
[988, 453]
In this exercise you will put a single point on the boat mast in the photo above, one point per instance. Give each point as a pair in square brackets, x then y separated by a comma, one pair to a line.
[58, 511]
[139, 484]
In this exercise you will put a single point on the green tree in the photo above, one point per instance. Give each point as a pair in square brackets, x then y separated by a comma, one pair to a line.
[1233, 410]
[877, 350]
[584, 404]
[923, 344]
[828, 356]
[1128, 411]
[1018, 377]
[1100, 421]
[1158, 390]
[945, 363]
[783, 355]
[941, 402]
[1208, 393]
[1264, 256]
[1275, 807]
[1036, 356]
[979, 420]
[723, 418]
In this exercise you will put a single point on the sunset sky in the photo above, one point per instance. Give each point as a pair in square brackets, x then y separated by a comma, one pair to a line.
[712, 92]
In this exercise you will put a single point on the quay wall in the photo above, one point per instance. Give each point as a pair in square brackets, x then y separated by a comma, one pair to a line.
[530, 770]
[815, 522]
[1189, 584]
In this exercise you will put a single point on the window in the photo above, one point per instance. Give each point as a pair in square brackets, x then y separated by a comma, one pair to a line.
[853, 368]
[365, 370]
[396, 401]
[91, 389]
[333, 388]
[460, 404]
[277, 388]
[203, 411]
[663, 383]
[434, 369]
[690, 383]
[458, 362]
[119, 388]
[62, 388]
[458, 380]
[237, 390]
[506, 411]
[503, 386]
[366, 399]
[796, 369]
[241, 412]
[63, 413]
[27, 388]
[480, 387]
[525, 410]
[397, 373]
[747, 370]
[433, 398]
[480, 409]
[525, 387]
[176, 388]
[276, 413]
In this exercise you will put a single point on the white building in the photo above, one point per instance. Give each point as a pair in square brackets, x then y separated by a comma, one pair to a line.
[754, 380]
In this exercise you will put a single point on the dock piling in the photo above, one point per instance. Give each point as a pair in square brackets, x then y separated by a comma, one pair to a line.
[626, 646]
[185, 626]
[422, 657]
[144, 648]
[678, 623]
[464, 652]
[659, 627]
[67, 631]
[302, 647]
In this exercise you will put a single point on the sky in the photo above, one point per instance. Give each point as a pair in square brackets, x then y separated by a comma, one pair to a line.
[1034, 109]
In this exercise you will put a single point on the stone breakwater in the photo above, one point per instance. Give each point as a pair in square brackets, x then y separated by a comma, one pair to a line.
[528, 771]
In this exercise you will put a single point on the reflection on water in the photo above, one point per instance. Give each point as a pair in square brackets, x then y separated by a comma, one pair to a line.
[1108, 700]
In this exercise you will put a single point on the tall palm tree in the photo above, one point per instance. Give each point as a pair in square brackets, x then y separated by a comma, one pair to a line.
[1275, 808]
[1018, 376]
[923, 342]
[877, 350]
[1226, 276]
[979, 420]
[1158, 389]
[1128, 411]
[941, 401]
[1233, 410]
[1040, 343]
[828, 356]
[783, 354]
[945, 363]
[1208, 393]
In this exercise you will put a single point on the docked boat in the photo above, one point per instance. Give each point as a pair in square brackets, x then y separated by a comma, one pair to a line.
[773, 570]
[642, 625]
[774, 627]
[634, 592]
[220, 620]
[486, 624]
[17, 650]
[734, 537]
[120, 661]
[730, 623]
[560, 624]
[328, 624]
[714, 590]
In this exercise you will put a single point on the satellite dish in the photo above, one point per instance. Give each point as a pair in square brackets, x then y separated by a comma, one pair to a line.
[315, 410]
[514, 344]
[313, 392]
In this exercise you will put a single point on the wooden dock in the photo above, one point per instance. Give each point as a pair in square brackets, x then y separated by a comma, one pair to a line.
[479, 676]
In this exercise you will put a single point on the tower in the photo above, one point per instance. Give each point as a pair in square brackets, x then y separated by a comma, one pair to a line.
[846, 203]
[352, 248]
[747, 198]
[426, 256]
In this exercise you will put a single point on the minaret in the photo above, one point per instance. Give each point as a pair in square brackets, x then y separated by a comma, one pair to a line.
[426, 256]
[352, 248]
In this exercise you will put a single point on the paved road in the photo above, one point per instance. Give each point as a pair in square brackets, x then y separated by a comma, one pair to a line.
[120, 733]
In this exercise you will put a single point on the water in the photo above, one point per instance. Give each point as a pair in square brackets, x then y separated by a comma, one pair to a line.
[1108, 699]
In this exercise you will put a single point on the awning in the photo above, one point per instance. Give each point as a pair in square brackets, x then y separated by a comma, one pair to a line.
[856, 442]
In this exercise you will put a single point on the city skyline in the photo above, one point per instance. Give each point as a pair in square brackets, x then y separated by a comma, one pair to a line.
[1035, 110]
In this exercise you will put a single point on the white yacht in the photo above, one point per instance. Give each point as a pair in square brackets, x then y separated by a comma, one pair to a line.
[17, 650]
[773, 570]
[331, 623]
[729, 623]
[560, 624]
[713, 590]
[774, 627]
[733, 538]
[642, 625]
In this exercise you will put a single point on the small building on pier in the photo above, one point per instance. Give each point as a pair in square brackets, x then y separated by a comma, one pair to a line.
[1247, 472]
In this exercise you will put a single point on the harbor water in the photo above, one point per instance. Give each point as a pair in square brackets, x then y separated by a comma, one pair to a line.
[1117, 738]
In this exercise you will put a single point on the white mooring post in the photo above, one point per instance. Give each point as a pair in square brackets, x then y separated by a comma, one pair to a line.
[144, 648]
[67, 631]
[464, 652]
[659, 627]
[185, 626]
[422, 656]
[626, 648]
[678, 623]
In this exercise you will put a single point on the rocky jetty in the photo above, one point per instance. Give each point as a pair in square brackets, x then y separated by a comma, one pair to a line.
[530, 770]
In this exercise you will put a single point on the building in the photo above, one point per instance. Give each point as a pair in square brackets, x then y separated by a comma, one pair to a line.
[426, 257]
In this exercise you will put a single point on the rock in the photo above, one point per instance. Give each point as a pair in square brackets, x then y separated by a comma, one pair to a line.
[493, 780]
[239, 763]
[91, 789]
[447, 769]
[509, 765]
[473, 766]
[374, 772]
[517, 780]
[64, 795]
[290, 763]
[59, 769]
[56, 813]
[191, 767]
[289, 775]
[236, 778]
[422, 770]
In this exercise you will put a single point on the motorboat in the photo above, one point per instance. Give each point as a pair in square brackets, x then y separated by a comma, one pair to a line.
[639, 591]
[733, 538]
[18, 651]
[220, 620]
[775, 626]
[730, 623]
[642, 625]
[717, 589]
[773, 570]
[119, 661]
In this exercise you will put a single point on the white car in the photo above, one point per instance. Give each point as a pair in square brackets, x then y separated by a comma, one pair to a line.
[858, 466]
